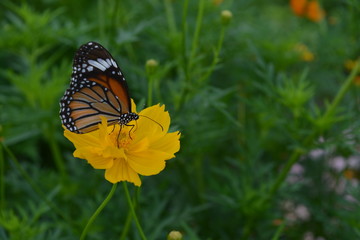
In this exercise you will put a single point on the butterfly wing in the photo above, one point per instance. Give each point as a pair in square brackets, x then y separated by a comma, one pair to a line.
[97, 88]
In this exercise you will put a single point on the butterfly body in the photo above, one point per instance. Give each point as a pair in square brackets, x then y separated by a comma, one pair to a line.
[98, 88]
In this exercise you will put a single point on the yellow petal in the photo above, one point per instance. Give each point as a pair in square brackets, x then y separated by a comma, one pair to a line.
[84, 152]
[94, 157]
[133, 106]
[81, 139]
[113, 152]
[139, 146]
[169, 143]
[103, 128]
[121, 171]
[148, 162]
[152, 121]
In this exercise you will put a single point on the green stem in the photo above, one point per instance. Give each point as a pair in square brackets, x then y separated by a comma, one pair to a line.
[170, 16]
[194, 45]
[216, 55]
[299, 151]
[284, 172]
[344, 88]
[132, 209]
[199, 165]
[129, 216]
[56, 153]
[34, 186]
[2, 184]
[184, 58]
[279, 231]
[184, 40]
[330, 111]
[97, 212]
[126, 226]
[150, 90]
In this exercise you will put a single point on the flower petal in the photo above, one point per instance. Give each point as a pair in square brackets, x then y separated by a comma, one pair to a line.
[148, 162]
[139, 146]
[133, 106]
[153, 121]
[95, 160]
[120, 171]
[81, 139]
[169, 143]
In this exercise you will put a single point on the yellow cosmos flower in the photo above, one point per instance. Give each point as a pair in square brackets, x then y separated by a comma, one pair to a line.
[125, 152]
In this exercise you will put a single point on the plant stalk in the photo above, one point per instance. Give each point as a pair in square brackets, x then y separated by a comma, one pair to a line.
[98, 211]
[132, 209]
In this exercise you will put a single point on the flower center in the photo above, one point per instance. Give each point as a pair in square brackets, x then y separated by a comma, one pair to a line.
[121, 137]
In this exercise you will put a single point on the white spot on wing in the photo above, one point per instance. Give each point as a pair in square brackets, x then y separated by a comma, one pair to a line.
[97, 65]
[103, 62]
[90, 68]
[108, 61]
[114, 63]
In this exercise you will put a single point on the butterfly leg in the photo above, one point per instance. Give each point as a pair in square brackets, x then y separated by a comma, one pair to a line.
[132, 127]
[118, 136]
[112, 129]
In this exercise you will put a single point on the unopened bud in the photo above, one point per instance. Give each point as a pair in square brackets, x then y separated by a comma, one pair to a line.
[174, 235]
[151, 65]
[226, 17]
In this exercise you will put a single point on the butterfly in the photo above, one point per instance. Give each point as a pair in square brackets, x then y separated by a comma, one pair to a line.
[97, 88]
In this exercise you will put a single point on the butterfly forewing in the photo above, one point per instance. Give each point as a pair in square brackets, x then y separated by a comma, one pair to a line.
[116, 87]
[98, 88]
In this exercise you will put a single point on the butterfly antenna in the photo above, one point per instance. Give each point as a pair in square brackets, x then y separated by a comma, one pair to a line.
[162, 128]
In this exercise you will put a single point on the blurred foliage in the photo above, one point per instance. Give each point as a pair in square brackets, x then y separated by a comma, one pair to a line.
[256, 97]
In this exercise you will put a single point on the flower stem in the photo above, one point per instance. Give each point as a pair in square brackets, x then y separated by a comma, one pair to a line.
[216, 55]
[279, 231]
[284, 172]
[150, 91]
[129, 216]
[330, 111]
[170, 17]
[195, 39]
[141, 232]
[34, 186]
[97, 212]
[344, 88]
[59, 162]
[184, 40]
[126, 226]
[2, 184]
[297, 153]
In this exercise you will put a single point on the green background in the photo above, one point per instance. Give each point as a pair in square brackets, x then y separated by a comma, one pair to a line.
[269, 146]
